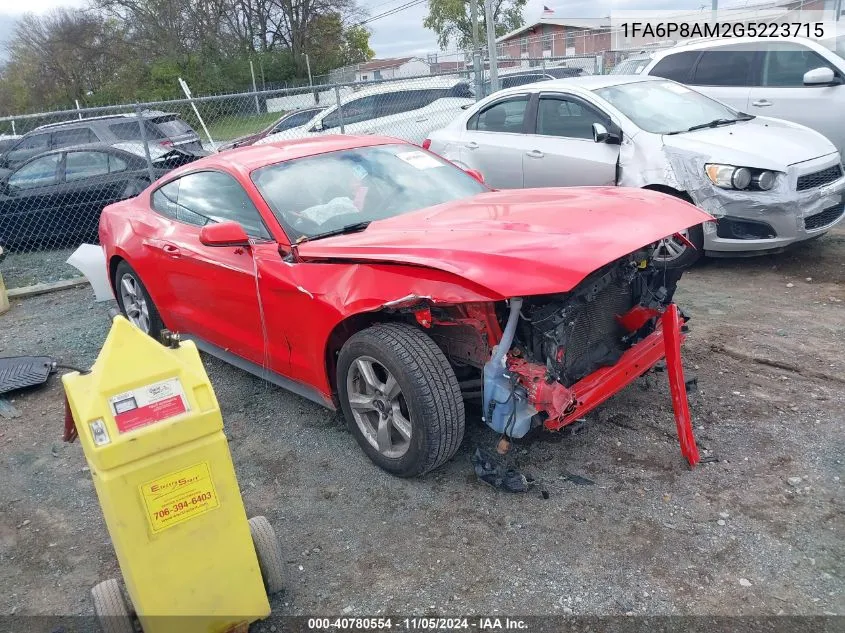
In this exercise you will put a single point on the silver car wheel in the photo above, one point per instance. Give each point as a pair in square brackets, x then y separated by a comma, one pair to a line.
[134, 302]
[379, 407]
[671, 248]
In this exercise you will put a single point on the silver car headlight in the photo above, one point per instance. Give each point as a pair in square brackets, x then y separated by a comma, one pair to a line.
[740, 178]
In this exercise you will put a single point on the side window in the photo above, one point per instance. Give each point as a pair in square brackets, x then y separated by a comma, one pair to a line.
[356, 111]
[209, 196]
[723, 67]
[502, 116]
[117, 164]
[295, 120]
[75, 136]
[784, 66]
[164, 199]
[559, 116]
[676, 67]
[461, 90]
[81, 165]
[29, 146]
[131, 130]
[408, 100]
[41, 172]
[40, 142]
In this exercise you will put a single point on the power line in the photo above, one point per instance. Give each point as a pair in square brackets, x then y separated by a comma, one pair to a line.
[390, 12]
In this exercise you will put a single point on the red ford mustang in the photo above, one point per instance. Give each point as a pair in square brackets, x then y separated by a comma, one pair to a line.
[370, 274]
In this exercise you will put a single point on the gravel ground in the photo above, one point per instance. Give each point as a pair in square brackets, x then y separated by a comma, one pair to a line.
[758, 532]
[37, 267]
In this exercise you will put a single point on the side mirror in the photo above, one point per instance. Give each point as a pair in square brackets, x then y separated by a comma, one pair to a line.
[318, 127]
[819, 76]
[224, 234]
[600, 133]
[477, 175]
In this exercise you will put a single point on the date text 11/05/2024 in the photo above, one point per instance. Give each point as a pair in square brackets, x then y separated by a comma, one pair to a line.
[417, 624]
[763, 30]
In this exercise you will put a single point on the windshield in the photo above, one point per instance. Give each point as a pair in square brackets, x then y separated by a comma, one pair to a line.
[315, 195]
[664, 107]
[630, 66]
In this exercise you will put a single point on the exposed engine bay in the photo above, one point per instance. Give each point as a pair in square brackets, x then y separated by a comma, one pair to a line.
[533, 351]
[576, 333]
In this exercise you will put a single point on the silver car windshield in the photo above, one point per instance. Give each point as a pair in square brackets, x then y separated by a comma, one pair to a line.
[329, 192]
[664, 107]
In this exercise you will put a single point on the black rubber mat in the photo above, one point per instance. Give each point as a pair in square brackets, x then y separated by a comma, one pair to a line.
[17, 372]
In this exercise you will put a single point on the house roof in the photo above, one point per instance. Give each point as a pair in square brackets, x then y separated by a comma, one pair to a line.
[585, 24]
[381, 64]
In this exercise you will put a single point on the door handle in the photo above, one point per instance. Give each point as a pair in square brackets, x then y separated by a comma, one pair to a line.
[171, 251]
[535, 153]
[761, 103]
[421, 120]
[472, 145]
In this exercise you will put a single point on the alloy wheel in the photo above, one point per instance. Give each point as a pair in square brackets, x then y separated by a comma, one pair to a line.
[134, 302]
[379, 407]
[671, 248]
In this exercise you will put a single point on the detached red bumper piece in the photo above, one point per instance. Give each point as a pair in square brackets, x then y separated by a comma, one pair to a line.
[566, 405]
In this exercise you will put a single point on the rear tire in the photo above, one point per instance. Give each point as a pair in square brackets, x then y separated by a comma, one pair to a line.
[135, 302]
[110, 607]
[408, 417]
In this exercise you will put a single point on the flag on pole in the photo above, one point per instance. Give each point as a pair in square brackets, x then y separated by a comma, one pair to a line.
[547, 11]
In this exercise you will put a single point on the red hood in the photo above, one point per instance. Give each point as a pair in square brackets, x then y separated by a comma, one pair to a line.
[522, 241]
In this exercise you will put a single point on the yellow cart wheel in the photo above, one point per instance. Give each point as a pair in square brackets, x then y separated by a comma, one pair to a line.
[269, 553]
[110, 607]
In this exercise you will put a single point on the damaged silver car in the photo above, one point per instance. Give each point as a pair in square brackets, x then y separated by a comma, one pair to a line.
[769, 183]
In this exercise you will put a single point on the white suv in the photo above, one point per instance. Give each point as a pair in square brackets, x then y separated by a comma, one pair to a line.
[408, 110]
[796, 79]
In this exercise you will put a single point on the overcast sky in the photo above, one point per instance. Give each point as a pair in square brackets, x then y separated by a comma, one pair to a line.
[403, 33]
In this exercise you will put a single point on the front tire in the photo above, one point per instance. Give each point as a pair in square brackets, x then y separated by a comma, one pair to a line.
[401, 399]
[135, 302]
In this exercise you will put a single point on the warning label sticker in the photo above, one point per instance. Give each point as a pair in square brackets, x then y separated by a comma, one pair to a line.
[148, 404]
[179, 496]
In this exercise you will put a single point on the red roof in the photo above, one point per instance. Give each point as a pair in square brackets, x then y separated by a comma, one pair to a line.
[381, 64]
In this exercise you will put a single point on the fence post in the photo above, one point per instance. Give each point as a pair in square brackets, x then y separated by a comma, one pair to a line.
[140, 115]
[492, 52]
[339, 109]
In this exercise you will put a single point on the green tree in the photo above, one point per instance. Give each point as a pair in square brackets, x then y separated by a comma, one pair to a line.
[450, 20]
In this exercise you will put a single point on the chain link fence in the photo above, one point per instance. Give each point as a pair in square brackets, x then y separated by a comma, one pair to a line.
[58, 170]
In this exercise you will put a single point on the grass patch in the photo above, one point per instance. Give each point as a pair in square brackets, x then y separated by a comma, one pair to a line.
[231, 127]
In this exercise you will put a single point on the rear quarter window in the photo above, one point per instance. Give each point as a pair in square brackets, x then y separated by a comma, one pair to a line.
[676, 67]
[131, 131]
[174, 127]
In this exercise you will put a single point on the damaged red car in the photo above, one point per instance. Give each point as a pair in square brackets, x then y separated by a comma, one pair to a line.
[367, 274]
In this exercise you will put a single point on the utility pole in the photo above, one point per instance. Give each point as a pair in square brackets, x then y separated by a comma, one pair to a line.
[714, 7]
[311, 81]
[254, 87]
[476, 49]
[491, 45]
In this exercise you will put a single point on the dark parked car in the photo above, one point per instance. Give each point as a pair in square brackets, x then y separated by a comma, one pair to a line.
[6, 141]
[57, 197]
[162, 129]
[522, 78]
[288, 121]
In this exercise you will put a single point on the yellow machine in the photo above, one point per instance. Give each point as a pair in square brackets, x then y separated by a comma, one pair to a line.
[152, 433]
